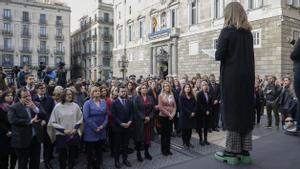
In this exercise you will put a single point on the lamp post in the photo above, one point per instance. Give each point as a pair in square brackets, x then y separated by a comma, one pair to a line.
[123, 64]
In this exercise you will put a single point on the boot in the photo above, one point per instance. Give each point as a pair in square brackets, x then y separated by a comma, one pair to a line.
[229, 158]
[147, 155]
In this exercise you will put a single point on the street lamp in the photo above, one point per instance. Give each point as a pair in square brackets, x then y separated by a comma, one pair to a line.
[123, 64]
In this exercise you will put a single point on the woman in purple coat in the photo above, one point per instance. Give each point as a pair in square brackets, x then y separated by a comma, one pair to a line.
[95, 120]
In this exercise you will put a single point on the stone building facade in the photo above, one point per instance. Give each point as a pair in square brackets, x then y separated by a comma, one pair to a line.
[177, 37]
[34, 32]
[92, 44]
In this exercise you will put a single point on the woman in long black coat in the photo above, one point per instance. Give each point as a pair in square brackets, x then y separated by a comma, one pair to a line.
[237, 77]
[204, 113]
[187, 115]
[7, 151]
[144, 111]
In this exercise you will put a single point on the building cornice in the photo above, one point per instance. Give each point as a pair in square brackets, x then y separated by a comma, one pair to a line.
[39, 5]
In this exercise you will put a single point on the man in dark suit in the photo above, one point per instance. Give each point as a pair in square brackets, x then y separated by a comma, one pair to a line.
[25, 119]
[121, 110]
[47, 104]
[214, 92]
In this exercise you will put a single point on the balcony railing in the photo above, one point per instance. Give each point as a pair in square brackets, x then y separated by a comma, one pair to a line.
[107, 37]
[59, 51]
[43, 22]
[7, 48]
[106, 21]
[7, 17]
[7, 32]
[25, 50]
[41, 50]
[25, 34]
[59, 23]
[43, 36]
[59, 37]
[106, 53]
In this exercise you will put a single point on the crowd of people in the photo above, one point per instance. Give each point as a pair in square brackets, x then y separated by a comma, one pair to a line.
[110, 114]
[64, 116]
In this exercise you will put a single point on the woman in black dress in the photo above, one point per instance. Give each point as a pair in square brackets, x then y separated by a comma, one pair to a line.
[187, 116]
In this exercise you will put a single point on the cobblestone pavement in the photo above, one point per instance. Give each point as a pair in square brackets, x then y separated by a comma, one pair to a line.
[180, 155]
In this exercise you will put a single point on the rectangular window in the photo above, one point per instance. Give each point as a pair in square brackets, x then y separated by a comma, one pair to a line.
[95, 46]
[106, 31]
[58, 20]
[194, 12]
[106, 62]
[25, 16]
[130, 33]
[256, 38]
[43, 60]
[43, 45]
[141, 29]
[173, 18]
[25, 43]
[25, 29]
[7, 60]
[59, 32]
[7, 14]
[106, 17]
[120, 36]
[7, 27]
[25, 59]
[59, 46]
[43, 31]
[42, 18]
[296, 35]
[219, 5]
[7, 43]
[253, 4]
[106, 46]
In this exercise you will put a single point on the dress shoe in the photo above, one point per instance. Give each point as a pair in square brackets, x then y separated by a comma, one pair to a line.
[201, 143]
[139, 156]
[117, 164]
[191, 145]
[127, 163]
[170, 153]
[206, 142]
[147, 155]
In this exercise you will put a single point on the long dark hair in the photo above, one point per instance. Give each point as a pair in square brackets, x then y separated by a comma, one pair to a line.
[191, 94]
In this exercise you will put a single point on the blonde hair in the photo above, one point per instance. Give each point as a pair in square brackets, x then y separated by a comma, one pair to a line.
[163, 88]
[235, 15]
[92, 91]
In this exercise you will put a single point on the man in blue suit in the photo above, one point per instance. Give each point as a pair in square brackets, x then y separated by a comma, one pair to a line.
[121, 110]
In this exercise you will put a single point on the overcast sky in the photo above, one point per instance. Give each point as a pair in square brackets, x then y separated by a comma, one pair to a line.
[80, 8]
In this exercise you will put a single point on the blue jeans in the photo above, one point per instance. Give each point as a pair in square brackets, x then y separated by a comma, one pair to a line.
[297, 91]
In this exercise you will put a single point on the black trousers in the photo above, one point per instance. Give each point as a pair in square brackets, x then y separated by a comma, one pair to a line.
[204, 132]
[66, 155]
[257, 113]
[94, 154]
[274, 108]
[8, 156]
[48, 148]
[186, 136]
[166, 129]
[30, 154]
[111, 140]
[215, 116]
[121, 139]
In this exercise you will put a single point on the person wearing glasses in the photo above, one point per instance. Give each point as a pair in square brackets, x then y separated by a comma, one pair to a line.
[8, 156]
[47, 104]
[25, 120]
[64, 129]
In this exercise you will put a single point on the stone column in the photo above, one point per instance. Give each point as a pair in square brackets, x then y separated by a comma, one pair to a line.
[174, 60]
[170, 60]
[151, 61]
[154, 62]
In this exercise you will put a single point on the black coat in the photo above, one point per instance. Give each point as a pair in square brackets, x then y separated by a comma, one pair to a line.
[203, 106]
[21, 127]
[139, 116]
[121, 114]
[4, 128]
[188, 106]
[47, 103]
[237, 78]
[295, 55]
